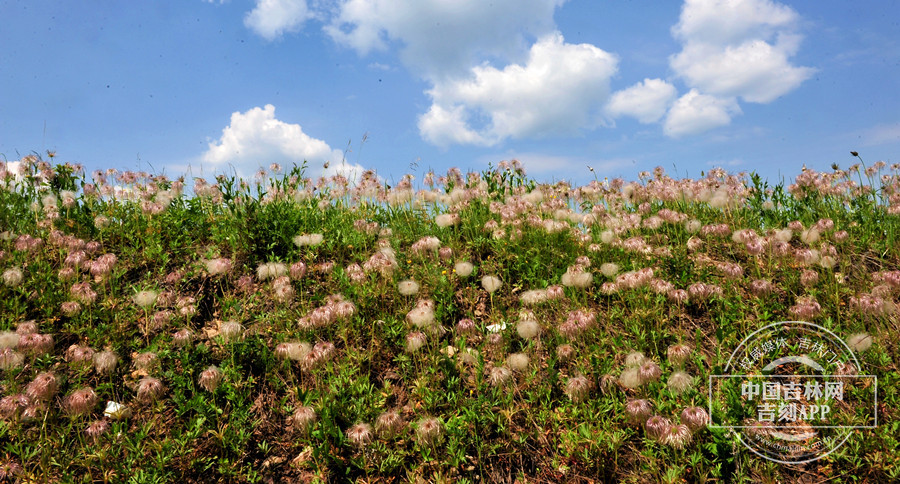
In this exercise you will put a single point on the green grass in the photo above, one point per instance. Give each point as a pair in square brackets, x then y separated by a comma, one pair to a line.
[490, 428]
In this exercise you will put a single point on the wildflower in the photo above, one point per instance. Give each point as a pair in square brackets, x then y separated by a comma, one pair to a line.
[298, 270]
[465, 326]
[210, 378]
[859, 342]
[695, 418]
[692, 226]
[446, 219]
[630, 378]
[634, 359]
[657, 427]
[70, 308]
[577, 323]
[83, 293]
[677, 436]
[11, 406]
[389, 424]
[282, 289]
[271, 270]
[426, 244]
[678, 354]
[760, 287]
[9, 339]
[609, 269]
[680, 382]
[805, 308]
[528, 329]
[182, 338]
[218, 266]
[490, 283]
[231, 331]
[12, 277]
[43, 387]
[649, 371]
[96, 429]
[79, 356]
[577, 277]
[308, 239]
[10, 359]
[810, 236]
[638, 411]
[145, 299]
[149, 389]
[303, 419]
[518, 361]
[533, 297]
[408, 287]
[360, 435]
[499, 376]
[428, 431]
[145, 361]
[26, 327]
[35, 343]
[81, 401]
[463, 269]
[577, 388]
[565, 352]
[679, 296]
[105, 362]
[415, 341]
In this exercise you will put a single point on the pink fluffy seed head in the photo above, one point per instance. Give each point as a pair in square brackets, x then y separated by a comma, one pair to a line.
[81, 401]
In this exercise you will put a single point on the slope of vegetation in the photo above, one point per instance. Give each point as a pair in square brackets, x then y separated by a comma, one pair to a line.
[469, 328]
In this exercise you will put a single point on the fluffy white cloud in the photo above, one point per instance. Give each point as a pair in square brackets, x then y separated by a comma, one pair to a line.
[442, 37]
[738, 48]
[695, 113]
[647, 101]
[272, 18]
[726, 22]
[255, 138]
[559, 89]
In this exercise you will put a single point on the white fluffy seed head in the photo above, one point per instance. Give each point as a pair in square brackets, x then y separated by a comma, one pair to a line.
[491, 283]
[463, 269]
[630, 377]
[634, 359]
[609, 269]
[145, 299]
[528, 329]
[680, 382]
[9, 339]
[415, 341]
[518, 361]
[304, 240]
[271, 270]
[105, 362]
[408, 287]
[860, 342]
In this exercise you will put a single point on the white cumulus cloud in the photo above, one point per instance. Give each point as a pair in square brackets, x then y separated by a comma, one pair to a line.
[695, 113]
[440, 37]
[738, 48]
[272, 18]
[558, 90]
[256, 138]
[726, 22]
[646, 101]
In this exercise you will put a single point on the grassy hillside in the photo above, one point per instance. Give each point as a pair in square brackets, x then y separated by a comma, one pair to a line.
[483, 327]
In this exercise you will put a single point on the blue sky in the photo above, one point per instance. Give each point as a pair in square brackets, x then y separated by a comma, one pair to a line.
[410, 85]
